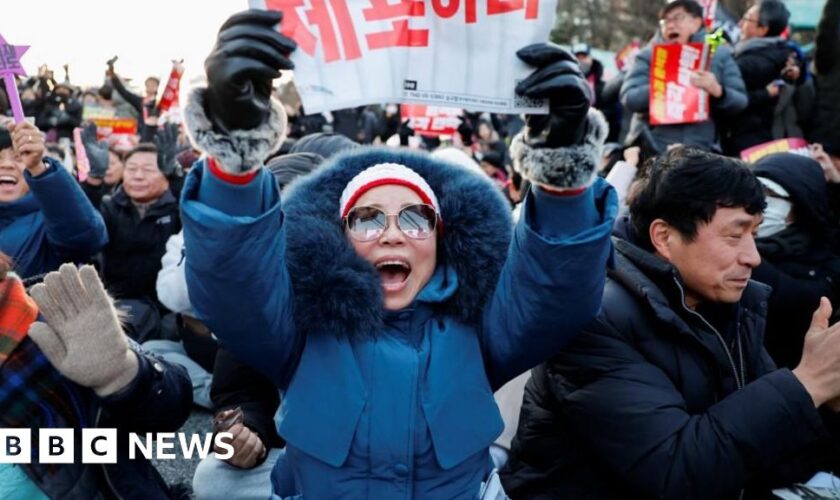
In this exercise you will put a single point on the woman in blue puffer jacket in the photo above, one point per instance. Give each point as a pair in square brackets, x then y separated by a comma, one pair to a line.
[385, 295]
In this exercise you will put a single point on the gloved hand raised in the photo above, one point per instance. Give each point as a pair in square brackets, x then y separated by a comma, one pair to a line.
[248, 55]
[82, 337]
[97, 151]
[166, 140]
[559, 79]
[560, 150]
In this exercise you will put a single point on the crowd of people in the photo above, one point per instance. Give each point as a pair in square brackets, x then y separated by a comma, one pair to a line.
[581, 304]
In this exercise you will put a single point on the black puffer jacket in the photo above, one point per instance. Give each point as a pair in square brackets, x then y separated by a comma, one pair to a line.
[131, 260]
[826, 124]
[761, 61]
[648, 402]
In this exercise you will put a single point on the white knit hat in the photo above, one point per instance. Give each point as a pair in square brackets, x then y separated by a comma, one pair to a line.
[385, 174]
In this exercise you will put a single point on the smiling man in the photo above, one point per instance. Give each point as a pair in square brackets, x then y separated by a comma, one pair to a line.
[45, 218]
[681, 21]
[670, 392]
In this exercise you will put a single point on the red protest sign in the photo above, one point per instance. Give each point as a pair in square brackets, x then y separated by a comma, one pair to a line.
[793, 145]
[344, 38]
[626, 56]
[431, 120]
[673, 99]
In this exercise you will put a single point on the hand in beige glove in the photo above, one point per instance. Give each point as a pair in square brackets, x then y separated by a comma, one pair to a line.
[82, 338]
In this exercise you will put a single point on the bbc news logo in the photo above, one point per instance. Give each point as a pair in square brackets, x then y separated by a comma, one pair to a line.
[99, 446]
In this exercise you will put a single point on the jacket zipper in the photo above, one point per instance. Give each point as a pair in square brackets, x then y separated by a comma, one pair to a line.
[738, 380]
[104, 469]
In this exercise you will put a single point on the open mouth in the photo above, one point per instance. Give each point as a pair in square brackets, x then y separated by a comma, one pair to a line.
[8, 180]
[393, 273]
[672, 36]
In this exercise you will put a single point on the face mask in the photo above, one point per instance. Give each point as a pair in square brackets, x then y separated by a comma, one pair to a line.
[585, 67]
[775, 217]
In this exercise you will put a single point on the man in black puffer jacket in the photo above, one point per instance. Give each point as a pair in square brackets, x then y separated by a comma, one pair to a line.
[761, 55]
[670, 393]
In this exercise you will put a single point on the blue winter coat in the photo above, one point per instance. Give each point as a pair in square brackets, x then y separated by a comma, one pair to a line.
[52, 224]
[383, 404]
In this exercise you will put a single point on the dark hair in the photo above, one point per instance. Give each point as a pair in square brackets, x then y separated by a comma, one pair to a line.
[156, 79]
[143, 147]
[5, 138]
[106, 91]
[693, 8]
[287, 168]
[686, 186]
[774, 15]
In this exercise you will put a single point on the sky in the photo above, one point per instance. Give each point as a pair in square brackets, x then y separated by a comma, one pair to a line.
[146, 35]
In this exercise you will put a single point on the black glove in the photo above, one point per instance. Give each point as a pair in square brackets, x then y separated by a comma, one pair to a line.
[559, 79]
[466, 132]
[166, 140]
[405, 132]
[97, 152]
[248, 55]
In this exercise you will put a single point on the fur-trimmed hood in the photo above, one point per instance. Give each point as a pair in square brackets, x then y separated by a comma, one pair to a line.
[336, 290]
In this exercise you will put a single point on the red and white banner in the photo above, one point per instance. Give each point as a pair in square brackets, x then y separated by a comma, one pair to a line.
[626, 56]
[793, 145]
[673, 99]
[121, 133]
[709, 11]
[431, 121]
[458, 53]
[172, 89]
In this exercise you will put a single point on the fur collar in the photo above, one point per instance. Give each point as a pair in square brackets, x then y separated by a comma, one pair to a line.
[338, 291]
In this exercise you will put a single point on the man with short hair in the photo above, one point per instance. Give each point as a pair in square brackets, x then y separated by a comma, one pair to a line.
[762, 56]
[670, 393]
[141, 215]
[681, 21]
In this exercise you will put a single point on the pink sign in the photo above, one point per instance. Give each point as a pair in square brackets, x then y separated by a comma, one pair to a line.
[794, 145]
[9, 67]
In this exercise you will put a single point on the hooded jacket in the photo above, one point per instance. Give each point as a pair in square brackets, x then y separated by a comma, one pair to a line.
[389, 404]
[51, 224]
[799, 262]
[635, 95]
[653, 400]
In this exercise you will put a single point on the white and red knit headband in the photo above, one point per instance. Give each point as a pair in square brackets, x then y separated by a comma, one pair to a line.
[386, 174]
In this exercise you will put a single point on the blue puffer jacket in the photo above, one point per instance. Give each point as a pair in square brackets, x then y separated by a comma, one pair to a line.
[52, 224]
[380, 404]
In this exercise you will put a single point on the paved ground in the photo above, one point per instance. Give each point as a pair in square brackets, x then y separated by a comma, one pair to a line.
[181, 470]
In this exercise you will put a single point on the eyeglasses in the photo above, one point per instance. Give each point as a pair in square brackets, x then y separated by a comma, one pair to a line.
[676, 19]
[418, 222]
[746, 19]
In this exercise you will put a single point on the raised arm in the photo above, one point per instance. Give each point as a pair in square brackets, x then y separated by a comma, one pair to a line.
[552, 281]
[74, 229]
[233, 224]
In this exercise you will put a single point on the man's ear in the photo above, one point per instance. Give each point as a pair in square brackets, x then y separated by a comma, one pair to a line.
[661, 237]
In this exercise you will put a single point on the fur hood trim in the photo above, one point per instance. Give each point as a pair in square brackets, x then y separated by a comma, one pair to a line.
[336, 291]
[242, 149]
[569, 167]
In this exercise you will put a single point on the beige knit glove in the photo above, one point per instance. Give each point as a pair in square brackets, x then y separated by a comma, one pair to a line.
[82, 338]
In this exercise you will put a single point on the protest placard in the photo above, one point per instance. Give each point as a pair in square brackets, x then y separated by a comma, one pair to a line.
[9, 67]
[458, 53]
[119, 132]
[673, 100]
[431, 121]
[794, 145]
[709, 12]
[625, 57]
